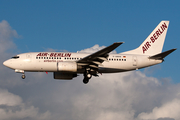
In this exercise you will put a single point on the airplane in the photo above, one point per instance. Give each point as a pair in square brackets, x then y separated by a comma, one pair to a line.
[66, 65]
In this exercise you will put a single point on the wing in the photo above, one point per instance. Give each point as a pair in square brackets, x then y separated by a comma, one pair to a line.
[94, 60]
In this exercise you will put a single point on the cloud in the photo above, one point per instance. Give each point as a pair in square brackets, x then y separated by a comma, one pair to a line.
[165, 119]
[128, 96]
[169, 109]
[12, 107]
[7, 48]
[54, 50]
[9, 99]
[6, 36]
[93, 49]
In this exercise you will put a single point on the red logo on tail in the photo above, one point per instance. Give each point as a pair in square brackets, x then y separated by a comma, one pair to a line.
[154, 37]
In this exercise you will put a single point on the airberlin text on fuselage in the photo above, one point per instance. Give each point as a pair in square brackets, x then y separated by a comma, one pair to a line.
[54, 55]
[154, 37]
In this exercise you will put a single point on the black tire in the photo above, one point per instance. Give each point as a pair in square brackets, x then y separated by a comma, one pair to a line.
[23, 76]
[85, 80]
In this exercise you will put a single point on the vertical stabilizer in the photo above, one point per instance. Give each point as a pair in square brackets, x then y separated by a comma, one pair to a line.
[153, 44]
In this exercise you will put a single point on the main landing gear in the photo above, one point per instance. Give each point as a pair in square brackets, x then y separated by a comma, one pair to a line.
[87, 76]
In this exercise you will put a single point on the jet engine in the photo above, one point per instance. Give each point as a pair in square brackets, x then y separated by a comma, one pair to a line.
[67, 66]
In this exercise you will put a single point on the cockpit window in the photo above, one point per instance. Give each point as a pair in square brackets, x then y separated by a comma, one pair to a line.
[15, 57]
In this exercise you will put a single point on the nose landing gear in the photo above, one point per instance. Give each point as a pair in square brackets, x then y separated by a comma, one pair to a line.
[21, 71]
[23, 76]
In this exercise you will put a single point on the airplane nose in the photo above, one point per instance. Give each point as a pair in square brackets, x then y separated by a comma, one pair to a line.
[6, 63]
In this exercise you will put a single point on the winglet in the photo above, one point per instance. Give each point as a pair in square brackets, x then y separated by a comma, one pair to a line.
[162, 55]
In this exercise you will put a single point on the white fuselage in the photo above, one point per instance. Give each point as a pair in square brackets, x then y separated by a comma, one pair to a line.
[48, 62]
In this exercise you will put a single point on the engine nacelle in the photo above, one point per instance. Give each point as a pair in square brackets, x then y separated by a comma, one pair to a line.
[65, 76]
[67, 66]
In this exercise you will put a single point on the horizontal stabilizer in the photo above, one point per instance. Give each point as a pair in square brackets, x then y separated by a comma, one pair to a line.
[162, 55]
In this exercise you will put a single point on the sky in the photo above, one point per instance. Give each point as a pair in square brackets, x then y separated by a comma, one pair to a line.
[67, 25]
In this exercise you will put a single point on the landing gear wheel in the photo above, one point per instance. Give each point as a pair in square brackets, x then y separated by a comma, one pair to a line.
[87, 76]
[23, 76]
[85, 80]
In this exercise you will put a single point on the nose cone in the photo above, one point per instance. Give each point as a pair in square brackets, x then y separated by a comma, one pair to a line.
[7, 63]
